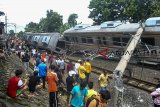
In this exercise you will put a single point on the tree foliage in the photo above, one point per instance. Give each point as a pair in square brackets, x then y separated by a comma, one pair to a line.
[64, 27]
[72, 20]
[32, 27]
[132, 10]
[11, 33]
[20, 34]
[51, 23]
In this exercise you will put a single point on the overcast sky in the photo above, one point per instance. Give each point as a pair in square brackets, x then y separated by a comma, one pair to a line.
[22, 12]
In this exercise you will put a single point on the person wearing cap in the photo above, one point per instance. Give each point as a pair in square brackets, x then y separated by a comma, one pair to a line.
[70, 83]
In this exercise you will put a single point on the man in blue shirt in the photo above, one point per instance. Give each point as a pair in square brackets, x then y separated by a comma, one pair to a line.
[78, 95]
[42, 72]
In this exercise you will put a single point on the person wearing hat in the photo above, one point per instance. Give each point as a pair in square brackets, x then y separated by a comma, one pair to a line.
[70, 83]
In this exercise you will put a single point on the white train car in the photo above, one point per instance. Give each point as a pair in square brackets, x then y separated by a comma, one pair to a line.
[115, 35]
[48, 41]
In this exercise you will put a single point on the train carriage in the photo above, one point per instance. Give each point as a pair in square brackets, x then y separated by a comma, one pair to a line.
[115, 35]
[48, 41]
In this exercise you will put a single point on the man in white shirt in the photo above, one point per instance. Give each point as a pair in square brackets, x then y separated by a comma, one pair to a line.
[33, 52]
[76, 66]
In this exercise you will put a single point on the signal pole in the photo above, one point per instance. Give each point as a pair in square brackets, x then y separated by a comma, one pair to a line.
[6, 24]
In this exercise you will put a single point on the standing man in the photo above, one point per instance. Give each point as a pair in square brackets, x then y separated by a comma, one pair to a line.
[103, 81]
[78, 95]
[76, 66]
[52, 80]
[69, 83]
[87, 66]
[61, 65]
[81, 72]
[42, 72]
[25, 60]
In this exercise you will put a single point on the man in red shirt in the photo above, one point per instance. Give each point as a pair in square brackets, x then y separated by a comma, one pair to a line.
[52, 80]
[15, 85]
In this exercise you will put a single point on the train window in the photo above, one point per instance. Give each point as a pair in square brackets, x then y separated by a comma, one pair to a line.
[72, 39]
[0, 31]
[125, 41]
[157, 22]
[35, 38]
[148, 41]
[66, 38]
[61, 44]
[45, 39]
[104, 41]
[116, 41]
[99, 40]
[84, 40]
[76, 39]
[89, 39]
[110, 24]
[153, 52]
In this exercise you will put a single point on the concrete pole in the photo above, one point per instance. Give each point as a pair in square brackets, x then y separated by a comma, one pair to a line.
[6, 24]
[118, 72]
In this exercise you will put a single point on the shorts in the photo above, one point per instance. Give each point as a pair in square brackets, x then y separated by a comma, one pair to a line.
[18, 92]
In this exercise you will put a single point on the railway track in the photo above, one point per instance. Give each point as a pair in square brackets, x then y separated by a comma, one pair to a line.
[137, 83]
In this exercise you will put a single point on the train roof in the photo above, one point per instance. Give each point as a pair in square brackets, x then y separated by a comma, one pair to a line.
[42, 34]
[109, 27]
[152, 26]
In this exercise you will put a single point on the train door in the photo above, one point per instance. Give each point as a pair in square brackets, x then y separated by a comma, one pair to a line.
[60, 47]
[45, 41]
[35, 40]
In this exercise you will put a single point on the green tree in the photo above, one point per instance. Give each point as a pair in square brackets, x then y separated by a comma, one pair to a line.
[156, 7]
[20, 34]
[64, 27]
[43, 25]
[51, 23]
[72, 20]
[11, 33]
[133, 10]
[32, 27]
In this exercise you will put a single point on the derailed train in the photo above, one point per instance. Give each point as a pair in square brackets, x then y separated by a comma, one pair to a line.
[113, 35]
[49, 41]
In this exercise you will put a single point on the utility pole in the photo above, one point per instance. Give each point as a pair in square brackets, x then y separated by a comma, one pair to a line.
[15, 30]
[118, 72]
[6, 24]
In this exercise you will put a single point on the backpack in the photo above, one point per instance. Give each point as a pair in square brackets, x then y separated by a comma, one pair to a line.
[89, 100]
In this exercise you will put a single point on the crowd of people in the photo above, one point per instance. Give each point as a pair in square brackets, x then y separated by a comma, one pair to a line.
[51, 69]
